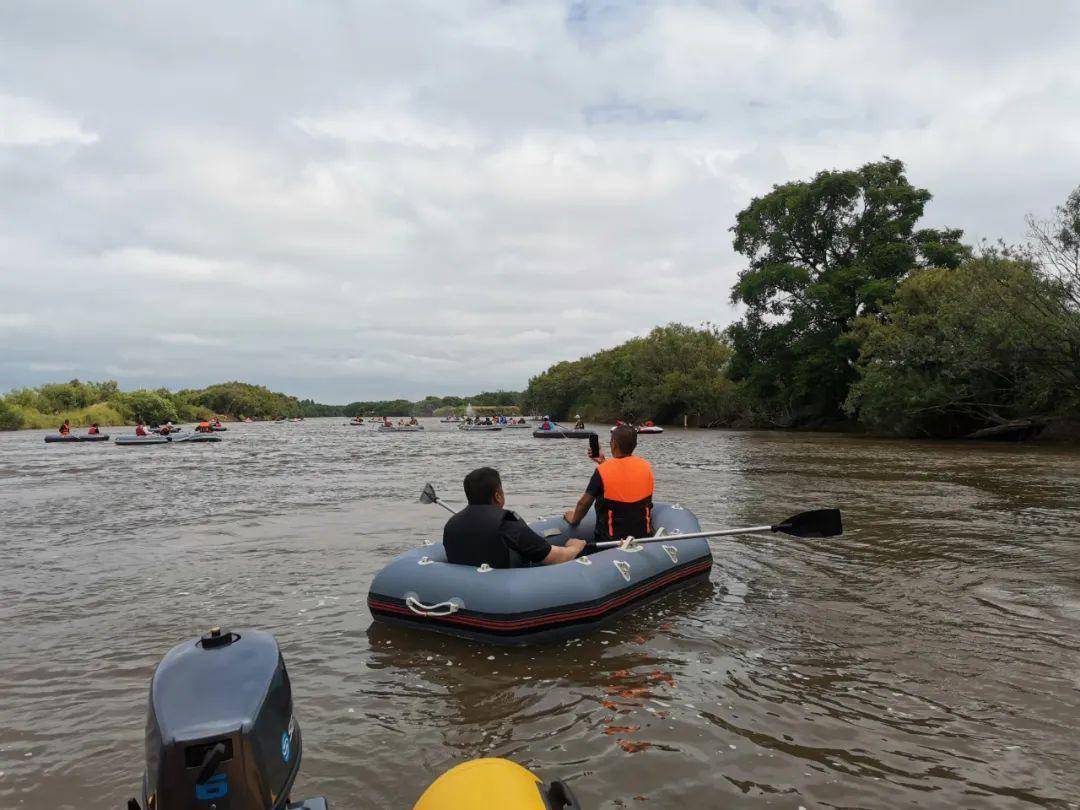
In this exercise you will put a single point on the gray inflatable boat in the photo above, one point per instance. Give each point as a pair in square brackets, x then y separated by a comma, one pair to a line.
[541, 603]
[187, 438]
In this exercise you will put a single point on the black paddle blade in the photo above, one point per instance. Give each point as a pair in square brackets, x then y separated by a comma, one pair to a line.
[428, 495]
[815, 523]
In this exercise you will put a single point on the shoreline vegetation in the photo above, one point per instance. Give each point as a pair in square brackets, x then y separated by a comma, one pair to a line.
[84, 403]
[853, 319]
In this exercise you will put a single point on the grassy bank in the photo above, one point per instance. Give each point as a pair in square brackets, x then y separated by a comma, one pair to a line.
[84, 403]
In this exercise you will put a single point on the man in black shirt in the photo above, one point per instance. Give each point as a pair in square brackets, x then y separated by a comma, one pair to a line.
[486, 532]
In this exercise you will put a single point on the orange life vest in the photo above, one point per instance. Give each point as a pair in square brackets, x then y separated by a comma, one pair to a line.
[625, 508]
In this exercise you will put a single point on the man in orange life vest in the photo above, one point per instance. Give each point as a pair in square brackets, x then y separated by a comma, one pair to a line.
[622, 489]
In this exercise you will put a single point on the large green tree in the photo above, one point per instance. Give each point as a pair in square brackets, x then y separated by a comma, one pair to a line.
[964, 349]
[673, 371]
[821, 254]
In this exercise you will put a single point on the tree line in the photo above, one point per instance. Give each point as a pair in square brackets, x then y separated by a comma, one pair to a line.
[85, 403]
[853, 315]
[104, 403]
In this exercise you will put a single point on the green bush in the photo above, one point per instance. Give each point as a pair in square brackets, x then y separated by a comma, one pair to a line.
[145, 406]
[11, 417]
[964, 349]
[674, 371]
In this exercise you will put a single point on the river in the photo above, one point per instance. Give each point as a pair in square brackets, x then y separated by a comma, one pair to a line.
[929, 657]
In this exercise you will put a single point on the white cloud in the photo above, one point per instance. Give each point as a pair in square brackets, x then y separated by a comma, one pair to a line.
[26, 122]
[396, 129]
[187, 339]
[353, 205]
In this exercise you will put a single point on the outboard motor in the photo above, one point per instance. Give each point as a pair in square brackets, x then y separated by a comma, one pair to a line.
[220, 731]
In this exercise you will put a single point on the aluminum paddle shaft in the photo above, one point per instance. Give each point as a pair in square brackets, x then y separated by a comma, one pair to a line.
[816, 523]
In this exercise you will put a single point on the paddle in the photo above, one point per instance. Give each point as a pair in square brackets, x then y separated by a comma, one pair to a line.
[815, 523]
[429, 496]
[812, 524]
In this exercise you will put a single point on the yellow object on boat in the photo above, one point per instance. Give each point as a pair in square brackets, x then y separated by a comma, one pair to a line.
[494, 784]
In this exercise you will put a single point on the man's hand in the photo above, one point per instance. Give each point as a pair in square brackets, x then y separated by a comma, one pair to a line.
[598, 459]
[561, 554]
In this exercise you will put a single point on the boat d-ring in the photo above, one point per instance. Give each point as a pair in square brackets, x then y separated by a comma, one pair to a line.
[624, 568]
[671, 552]
[438, 609]
[484, 568]
[425, 560]
[582, 560]
[630, 544]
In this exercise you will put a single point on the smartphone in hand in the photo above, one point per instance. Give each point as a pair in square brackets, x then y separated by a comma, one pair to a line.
[594, 446]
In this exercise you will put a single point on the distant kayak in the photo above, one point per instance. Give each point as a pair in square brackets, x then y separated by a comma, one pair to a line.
[133, 440]
[562, 434]
[52, 438]
[190, 438]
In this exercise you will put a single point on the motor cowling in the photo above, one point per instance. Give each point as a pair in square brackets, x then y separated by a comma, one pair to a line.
[220, 731]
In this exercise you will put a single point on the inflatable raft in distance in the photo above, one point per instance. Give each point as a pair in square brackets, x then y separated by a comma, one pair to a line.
[54, 438]
[473, 428]
[562, 434]
[542, 603]
[187, 438]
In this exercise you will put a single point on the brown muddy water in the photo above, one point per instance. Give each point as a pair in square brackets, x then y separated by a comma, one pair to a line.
[930, 657]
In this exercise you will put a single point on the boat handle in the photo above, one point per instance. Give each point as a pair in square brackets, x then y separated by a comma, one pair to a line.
[440, 609]
[425, 560]
[583, 560]
[624, 568]
[671, 552]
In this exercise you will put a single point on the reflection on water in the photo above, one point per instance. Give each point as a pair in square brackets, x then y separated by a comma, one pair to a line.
[929, 656]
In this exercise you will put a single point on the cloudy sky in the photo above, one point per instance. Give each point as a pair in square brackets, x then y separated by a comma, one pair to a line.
[352, 200]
